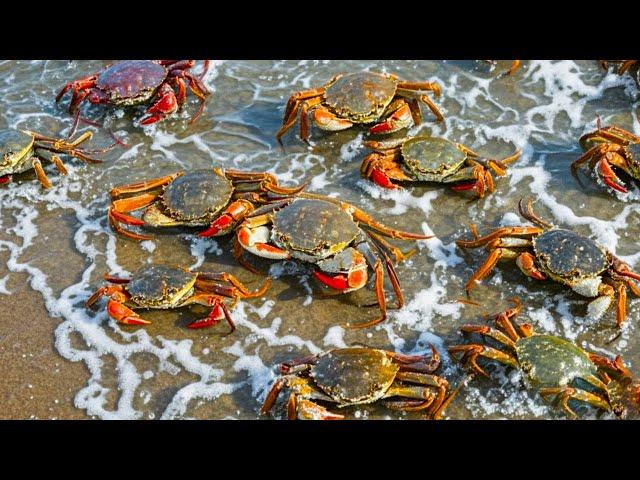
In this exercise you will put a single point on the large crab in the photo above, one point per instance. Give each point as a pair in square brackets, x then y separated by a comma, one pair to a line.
[327, 234]
[23, 150]
[134, 82]
[547, 252]
[165, 287]
[607, 149]
[214, 198]
[360, 98]
[431, 159]
[357, 376]
[557, 368]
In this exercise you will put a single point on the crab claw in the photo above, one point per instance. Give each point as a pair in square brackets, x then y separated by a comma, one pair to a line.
[380, 178]
[609, 177]
[166, 104]
[525, 262]
[123, 314]
[350, 266]
[214, 317]
[398, 120]
[5, 179]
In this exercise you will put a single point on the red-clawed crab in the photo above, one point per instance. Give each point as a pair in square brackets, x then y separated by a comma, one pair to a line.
[326, 233]
[134, 82]
[547, 252]
[214, 198]
[164, 287]
[360, 98]
[357, 376]
[607, 149]
[431, 159]
[557, 368]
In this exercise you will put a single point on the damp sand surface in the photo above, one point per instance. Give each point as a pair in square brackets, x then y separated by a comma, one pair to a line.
[61, 360]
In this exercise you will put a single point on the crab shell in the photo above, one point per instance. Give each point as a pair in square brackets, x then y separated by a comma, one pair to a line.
[353, 376]
[632, 155]
[16, 147]
[550, 361]
[360, 97]
[160, 286]
[131, 82]
[312, 230]
[193, 199]
[568, 257]
[430, 159]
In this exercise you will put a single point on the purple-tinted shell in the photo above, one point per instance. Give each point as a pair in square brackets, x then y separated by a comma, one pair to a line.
[131, 79]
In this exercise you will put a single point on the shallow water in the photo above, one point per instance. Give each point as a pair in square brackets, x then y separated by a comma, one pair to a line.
[65, 361]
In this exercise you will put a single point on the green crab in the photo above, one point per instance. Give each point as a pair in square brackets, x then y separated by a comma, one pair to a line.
[357, 376]
[431, 159]
[22, 150]
[557, 368]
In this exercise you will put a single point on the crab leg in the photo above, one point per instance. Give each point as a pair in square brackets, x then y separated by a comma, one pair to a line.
[42, 177]
[564, 394]
[147, 185]
[626, 65]
[611, 134]
[488, 265]
[238, 289]
[393, 276]
[429, 86]
[218, 311]
[497, 233]
[267, 181]
[489, 332]
[119, 208]
[293, 105]
[379, 289]
[472, 351]
[615, 366]
[304, 116]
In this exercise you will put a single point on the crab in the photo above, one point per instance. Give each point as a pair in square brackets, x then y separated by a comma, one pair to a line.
[558, 369]
[165, 287]
[357, 376]
[134, 82]
[431, 159]
[326, 233]
[23, 150]
[546, 252]
[360, 98]
[214, 198]
[609, 148]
